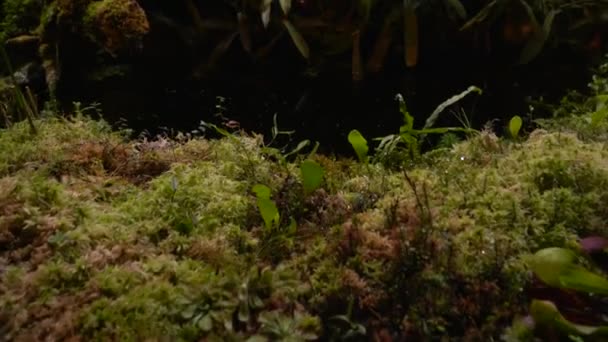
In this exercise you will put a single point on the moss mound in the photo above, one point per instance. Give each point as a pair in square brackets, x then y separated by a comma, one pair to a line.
[103, 238]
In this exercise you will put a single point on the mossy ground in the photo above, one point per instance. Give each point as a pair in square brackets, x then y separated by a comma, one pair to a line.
[105, 238]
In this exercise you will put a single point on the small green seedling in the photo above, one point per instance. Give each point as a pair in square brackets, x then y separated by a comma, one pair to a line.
[412, 137]
[268, 209]
[359, 144]
[312, 175]
[515, 126]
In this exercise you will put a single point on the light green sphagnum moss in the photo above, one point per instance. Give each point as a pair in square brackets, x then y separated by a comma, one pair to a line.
[104, 238]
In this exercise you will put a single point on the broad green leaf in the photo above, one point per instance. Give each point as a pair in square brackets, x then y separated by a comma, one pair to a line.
[269, 212]
[261, 191]
[578, 278]
[359, 144]
[546, 313]
[431, 119]
[536, 43]
[312, 175]
[457, 7]
[515, 125]
[549, 263]
[285, 6]
[297, 38]
[556, 267]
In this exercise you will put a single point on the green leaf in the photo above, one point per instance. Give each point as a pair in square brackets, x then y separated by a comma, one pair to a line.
[545, 313]
[298, 148]
[266, 206]
[556, 267]
[408, 120]
[297, 38]
[261, 191]
[457, 7]
[285, 6]
[265, 10]
[269, 212]
[536, 43]
[486, 13]
[515, 125]
[312, 175]
[445, 104]
[549, 263]
[578, 278]
[314, 149]
[530, 12]
[359, 144]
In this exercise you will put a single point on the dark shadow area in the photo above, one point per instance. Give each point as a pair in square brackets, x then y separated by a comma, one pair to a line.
[164, 87]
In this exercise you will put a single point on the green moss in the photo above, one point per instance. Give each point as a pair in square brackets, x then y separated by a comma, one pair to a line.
[19, 17]
[145, 312]
[56, 139]
[438, 251]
